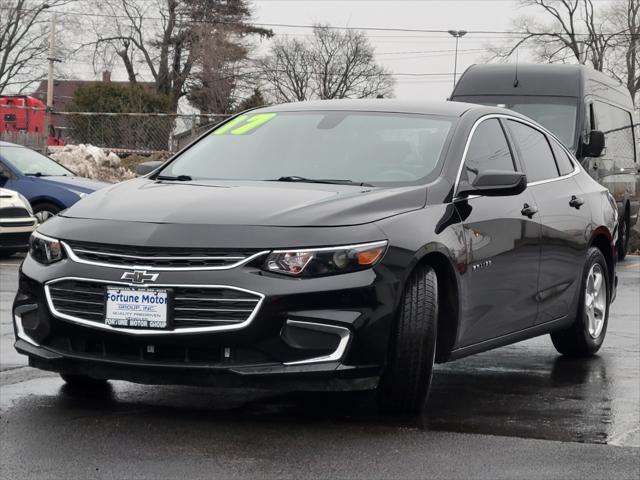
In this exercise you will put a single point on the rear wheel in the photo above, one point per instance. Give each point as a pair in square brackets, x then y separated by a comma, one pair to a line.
[82, 381]
[45, 210]
[624, 233]
[405, 383]
[585, 336]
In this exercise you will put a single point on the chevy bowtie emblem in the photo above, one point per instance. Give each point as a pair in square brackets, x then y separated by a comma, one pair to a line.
[139, 276]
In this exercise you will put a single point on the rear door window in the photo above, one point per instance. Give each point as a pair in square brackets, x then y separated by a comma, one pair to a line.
[535, 152]
[488, 150]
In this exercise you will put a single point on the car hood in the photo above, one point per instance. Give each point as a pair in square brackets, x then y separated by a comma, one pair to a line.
[247, 203]
[80, 184]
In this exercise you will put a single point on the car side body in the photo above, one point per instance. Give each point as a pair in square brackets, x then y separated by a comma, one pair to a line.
[55, 192]
[576, 103]
[508, 266]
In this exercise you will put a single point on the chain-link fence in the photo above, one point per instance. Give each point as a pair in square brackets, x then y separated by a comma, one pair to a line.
[123, 133]
[132, 132]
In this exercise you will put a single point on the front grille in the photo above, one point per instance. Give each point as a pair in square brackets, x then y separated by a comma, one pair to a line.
[22, 223]
[193, 307]
[14, 212]
[160, 257]
[134, 350]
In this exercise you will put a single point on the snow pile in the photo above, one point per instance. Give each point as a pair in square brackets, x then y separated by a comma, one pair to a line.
[92, 162]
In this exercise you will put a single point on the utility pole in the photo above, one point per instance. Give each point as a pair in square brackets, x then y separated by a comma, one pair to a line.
[51, 58]
[457, 34]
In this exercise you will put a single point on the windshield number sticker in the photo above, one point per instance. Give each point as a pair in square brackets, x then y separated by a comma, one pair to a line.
[244, 124]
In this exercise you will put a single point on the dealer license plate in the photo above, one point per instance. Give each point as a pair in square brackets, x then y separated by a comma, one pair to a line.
[137, 308]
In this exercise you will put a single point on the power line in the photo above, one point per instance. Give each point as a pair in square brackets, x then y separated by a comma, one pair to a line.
[331, 27]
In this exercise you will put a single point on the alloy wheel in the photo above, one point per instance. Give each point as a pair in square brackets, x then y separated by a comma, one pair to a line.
[44, 215]
[595, 299]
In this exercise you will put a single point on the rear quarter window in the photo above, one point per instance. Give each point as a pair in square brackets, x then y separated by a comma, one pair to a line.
[564, 162]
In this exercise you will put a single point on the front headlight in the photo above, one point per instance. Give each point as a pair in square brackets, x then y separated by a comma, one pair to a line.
[27, 205]
[45, 249]
[325, 261]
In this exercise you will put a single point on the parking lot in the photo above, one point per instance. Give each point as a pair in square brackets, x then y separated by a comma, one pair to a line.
[516, 412]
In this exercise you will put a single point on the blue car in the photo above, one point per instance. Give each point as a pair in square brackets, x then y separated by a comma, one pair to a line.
[49, 187]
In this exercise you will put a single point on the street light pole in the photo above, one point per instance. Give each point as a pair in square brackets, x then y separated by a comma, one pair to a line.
[457, 34]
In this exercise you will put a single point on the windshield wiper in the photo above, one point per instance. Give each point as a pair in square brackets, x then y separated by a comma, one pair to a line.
[179, 178]
[36, 174]
[296, 178]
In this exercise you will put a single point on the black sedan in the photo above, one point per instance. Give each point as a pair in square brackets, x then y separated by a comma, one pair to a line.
[341, 245]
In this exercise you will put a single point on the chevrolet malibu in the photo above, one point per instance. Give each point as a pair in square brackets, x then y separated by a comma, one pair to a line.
[341, 245]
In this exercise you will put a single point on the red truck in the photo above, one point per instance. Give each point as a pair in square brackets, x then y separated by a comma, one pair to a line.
[22, 113]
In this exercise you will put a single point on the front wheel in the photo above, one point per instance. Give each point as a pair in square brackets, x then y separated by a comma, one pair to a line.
[405, 383]
[624, 233]
[584, 338]
[44, 211]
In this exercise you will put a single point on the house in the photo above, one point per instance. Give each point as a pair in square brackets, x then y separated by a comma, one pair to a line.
[63, 91]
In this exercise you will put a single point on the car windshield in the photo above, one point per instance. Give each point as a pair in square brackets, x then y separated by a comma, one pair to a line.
[556, 114]
[30, 162]
[340, 147]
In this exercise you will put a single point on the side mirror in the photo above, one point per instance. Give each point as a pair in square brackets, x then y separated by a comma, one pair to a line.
[147, 167]
[496, 183]
[596, 144]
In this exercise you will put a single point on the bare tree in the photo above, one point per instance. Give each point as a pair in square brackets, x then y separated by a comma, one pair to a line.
[288, 70]
[163, 40]
[333, 64]
[624, 60]
[574, 33]
[24, 29]
[607, 38]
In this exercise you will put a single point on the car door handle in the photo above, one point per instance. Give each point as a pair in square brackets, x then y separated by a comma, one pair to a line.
[576, 202]
[529, 210]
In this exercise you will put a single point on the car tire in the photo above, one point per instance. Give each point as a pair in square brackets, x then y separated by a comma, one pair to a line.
[82, 381]
[624, 232]
[45, 210]
[404, 385]
[584, 338]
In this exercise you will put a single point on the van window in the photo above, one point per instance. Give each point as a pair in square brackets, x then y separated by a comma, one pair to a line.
[488, 150]
[563, 161]
[536, 153]
[617, 126]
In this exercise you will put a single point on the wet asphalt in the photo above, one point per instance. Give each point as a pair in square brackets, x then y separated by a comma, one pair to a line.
[520, 411]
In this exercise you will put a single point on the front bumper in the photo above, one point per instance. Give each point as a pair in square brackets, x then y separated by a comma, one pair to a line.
[327, 333]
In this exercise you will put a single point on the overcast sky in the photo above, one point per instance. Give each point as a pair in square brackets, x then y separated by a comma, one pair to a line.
[436, 49]
[409, 53]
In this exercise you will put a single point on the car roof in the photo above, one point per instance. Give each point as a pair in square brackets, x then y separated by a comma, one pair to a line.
[440, 108]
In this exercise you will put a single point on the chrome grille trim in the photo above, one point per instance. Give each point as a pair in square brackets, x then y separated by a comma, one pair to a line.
[239, 261]
[149, 257]
[49, 287]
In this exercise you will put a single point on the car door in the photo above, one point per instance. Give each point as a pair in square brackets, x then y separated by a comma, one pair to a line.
[563, 215]
[502, 236]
